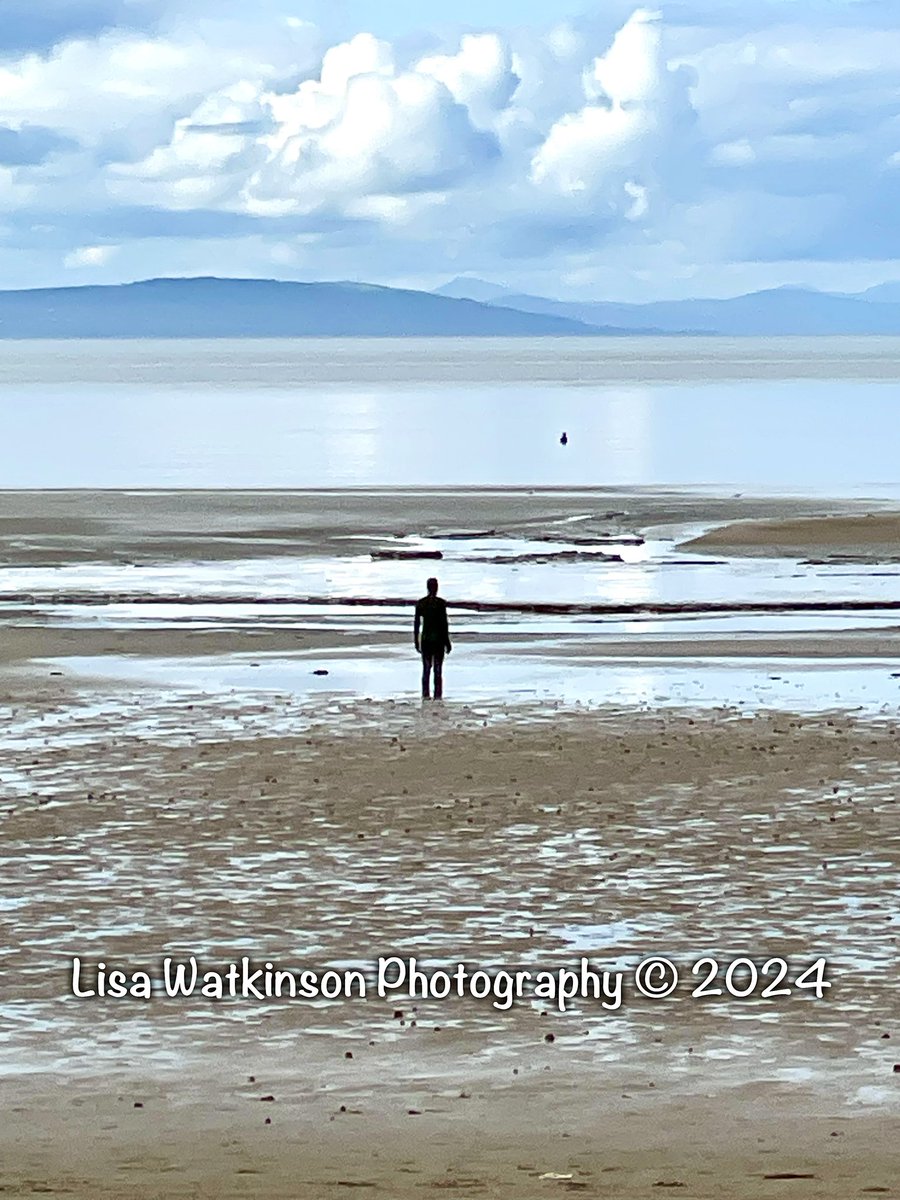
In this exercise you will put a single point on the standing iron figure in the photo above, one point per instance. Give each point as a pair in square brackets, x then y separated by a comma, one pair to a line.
[431, 635]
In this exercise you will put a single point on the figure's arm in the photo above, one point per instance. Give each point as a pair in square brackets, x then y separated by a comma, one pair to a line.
[447, 646]
[416, 624]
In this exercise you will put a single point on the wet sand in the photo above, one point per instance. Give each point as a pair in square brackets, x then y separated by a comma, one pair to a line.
[53, 527]
[868, 536]
[20, 645]
[137, 822]
[455, 835]
[533, 1138]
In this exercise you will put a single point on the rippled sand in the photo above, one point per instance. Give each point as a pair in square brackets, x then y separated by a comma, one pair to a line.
[330, 833]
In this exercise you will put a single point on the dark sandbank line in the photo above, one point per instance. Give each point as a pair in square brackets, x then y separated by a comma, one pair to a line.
[100, 599]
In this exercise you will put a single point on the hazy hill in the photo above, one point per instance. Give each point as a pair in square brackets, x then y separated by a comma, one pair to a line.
[889, 292]
[466, 287]
[233, 308]
[777, 311]
[236, 308]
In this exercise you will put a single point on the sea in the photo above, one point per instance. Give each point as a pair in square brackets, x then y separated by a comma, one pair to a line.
[792, 416]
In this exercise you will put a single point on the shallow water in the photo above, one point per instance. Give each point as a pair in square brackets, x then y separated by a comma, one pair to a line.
[655, 572]
[498, 655]
[817, 416]
[488, 677]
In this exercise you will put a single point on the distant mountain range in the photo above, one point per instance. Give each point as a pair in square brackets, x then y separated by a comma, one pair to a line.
[235, 308]
[776, 312]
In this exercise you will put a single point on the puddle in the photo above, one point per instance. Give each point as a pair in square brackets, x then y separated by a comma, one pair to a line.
[475, 675]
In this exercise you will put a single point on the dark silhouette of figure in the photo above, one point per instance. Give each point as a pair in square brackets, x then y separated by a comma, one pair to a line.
[432, 638]
[564, 440]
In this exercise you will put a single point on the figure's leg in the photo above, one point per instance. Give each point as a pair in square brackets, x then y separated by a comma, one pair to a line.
[439, 675]
[426, 675]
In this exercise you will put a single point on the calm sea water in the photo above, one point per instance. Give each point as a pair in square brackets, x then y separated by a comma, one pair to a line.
[792, 415]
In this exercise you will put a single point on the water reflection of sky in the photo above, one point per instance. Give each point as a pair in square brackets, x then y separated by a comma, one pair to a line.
[482, 675]
[663, 574]
[813, 436]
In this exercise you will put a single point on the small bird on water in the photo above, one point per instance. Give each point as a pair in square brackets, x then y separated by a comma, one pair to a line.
[564, 440]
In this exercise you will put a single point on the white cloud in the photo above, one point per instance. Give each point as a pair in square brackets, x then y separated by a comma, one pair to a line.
[480, 76]
[89, 256]
[612, 156]
[124, 86]
[205, 162]
[367, 137]
[677, 140]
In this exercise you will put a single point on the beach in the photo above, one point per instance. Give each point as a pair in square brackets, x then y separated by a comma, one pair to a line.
[517, 843]
[177, 782]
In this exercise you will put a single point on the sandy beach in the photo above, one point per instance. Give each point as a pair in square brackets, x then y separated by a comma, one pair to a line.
[870, 536]
[326, 829]
[511, 842]
[72, 525]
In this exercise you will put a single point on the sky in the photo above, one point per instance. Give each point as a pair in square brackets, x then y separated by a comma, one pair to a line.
[617, 151]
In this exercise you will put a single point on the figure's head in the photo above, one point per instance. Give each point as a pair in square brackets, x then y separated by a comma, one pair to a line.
[432, 585]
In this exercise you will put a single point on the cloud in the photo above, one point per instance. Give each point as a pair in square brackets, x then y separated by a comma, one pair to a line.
[612, 155]
[714, 133]
[89, 256]
[205, 161]
[124, 90]
[385, 142]
[370, 139]
[30, 145]
[480, 76]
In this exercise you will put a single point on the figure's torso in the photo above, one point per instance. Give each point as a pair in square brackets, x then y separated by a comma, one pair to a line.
[432, 610]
